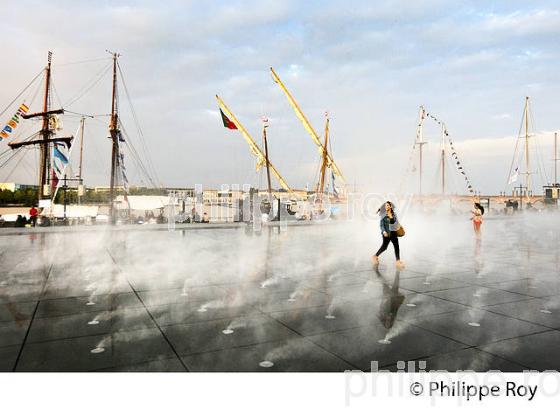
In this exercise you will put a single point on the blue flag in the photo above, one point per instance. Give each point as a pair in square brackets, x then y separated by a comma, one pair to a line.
[58, 154]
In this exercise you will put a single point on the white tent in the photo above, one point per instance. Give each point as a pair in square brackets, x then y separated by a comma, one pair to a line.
[75, 211]
[143, 202]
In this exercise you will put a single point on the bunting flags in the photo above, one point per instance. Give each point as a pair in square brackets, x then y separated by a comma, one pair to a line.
[454, 155]
[227, 122]
[14, 121]
[459, 165]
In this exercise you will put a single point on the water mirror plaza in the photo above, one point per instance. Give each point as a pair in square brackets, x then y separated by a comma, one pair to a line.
[303, 298]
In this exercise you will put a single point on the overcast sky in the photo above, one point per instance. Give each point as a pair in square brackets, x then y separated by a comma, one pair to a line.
[370, 64]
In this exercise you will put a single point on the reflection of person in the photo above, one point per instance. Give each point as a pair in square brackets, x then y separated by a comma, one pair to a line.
[391, 301]
[389, 225]
[476, 218]
[12, 307]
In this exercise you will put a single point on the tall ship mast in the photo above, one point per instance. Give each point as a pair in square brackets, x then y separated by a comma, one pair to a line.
[115, 133]
[527, 164]
[420, 144]
[447, 151]
[46, 133]
[522, 157]
[320, 193]
[324, 160]
[55, 149]
[265, 145]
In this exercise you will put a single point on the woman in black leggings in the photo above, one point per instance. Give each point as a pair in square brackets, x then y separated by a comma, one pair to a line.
[389, 225]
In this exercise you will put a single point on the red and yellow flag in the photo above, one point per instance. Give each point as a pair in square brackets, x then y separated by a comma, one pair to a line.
[227, 122]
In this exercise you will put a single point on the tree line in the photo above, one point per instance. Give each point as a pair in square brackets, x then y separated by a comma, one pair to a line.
[28, 196]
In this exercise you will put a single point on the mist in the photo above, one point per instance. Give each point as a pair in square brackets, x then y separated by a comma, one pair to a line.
[203, 291]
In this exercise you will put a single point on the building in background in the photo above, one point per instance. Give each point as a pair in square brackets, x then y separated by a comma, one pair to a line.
[13, 187]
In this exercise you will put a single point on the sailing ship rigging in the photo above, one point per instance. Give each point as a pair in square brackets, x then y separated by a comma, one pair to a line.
[231, 122]
[322, 191]
[326, 160]
[45, 143]
[523, 161]
[55, 148]
[447, 151]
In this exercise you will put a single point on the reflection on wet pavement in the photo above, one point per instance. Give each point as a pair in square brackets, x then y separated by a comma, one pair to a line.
[302, 300]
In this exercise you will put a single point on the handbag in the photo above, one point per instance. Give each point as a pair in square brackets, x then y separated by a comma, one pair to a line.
[400, 231]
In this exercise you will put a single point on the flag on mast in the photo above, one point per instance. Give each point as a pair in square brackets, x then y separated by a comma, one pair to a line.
[514, 176]
[60, 162]
[59, 154]
[54, 179]
[227, 122]
[334, 189]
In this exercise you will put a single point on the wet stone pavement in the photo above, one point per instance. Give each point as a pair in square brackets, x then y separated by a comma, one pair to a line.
[306, 299]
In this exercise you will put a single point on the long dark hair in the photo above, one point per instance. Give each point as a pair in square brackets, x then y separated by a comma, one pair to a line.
[383, 211]
[479, 207]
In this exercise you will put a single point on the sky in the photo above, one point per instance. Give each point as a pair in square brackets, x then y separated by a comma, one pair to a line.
[369, 64]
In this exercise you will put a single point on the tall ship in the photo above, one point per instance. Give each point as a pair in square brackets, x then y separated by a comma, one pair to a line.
[60, 188]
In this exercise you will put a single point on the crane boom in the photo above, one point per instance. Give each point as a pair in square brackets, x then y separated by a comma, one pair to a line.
[253, 145]
[306, 124]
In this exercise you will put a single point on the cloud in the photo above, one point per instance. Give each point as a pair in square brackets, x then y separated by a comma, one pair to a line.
[522, 23]
[369, 65]
[503, 116]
